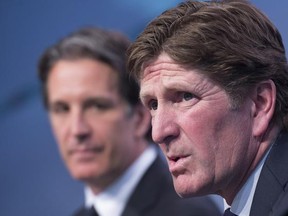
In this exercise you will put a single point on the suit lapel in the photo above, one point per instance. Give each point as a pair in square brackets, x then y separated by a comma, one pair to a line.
[273, 178]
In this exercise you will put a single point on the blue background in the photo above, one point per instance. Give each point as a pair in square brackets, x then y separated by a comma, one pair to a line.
[33, 179]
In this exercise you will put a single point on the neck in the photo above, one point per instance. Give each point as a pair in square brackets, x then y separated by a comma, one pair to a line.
[263, 145]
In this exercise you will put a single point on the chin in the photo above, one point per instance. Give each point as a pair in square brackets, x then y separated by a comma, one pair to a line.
[184, 193]
[83, 173]
[188, 193]
[182, 190]
[82, 176]
[186, 189]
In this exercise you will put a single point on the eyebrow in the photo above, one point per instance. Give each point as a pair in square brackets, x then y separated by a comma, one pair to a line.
[52, 104]
[143, 96]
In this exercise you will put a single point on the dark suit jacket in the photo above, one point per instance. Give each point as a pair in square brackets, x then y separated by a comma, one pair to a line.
[271, 195]
[155, 196]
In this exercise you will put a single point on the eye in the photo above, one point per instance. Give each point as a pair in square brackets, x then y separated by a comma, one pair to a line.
[99, 104]
[188, 96]
[59, 108]
[153, 105]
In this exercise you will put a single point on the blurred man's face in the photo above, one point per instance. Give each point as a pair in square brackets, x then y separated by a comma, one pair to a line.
[207, 144]
[94, 126]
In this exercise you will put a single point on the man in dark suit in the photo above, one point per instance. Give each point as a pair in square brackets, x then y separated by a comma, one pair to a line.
[214, 76]
[100, 126]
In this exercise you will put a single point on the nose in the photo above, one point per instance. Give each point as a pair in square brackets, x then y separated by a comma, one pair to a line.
[164, 126]
[80, 128]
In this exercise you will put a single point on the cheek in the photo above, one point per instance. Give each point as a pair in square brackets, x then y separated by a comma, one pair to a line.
[113, 135]
[206, 127]
[204, 139]
[58, 126]
[59, 131]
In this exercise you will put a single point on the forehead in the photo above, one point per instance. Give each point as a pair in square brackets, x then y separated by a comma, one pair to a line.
[154, 67]
[164, 66]
[165, 71]
[81, 76]
[164, 76]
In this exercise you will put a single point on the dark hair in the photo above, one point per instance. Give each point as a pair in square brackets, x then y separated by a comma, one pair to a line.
[94, 43]
[231, 42]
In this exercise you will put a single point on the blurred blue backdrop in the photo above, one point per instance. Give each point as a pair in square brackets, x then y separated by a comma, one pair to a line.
[33, 179]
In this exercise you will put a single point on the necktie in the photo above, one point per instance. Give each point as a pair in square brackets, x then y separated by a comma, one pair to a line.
[91, 212]
[228, 213]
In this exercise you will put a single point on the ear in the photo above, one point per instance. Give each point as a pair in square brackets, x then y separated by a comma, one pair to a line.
[142, 121]
[264, 98]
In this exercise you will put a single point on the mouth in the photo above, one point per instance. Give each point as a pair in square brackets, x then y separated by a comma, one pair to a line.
[177, 163]
[174, 158]
[86, 153]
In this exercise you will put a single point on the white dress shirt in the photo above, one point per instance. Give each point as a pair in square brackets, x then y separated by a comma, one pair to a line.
[112, 201]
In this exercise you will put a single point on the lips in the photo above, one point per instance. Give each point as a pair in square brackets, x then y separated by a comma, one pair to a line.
[175, 158]
[177, 163]
[85, 153]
